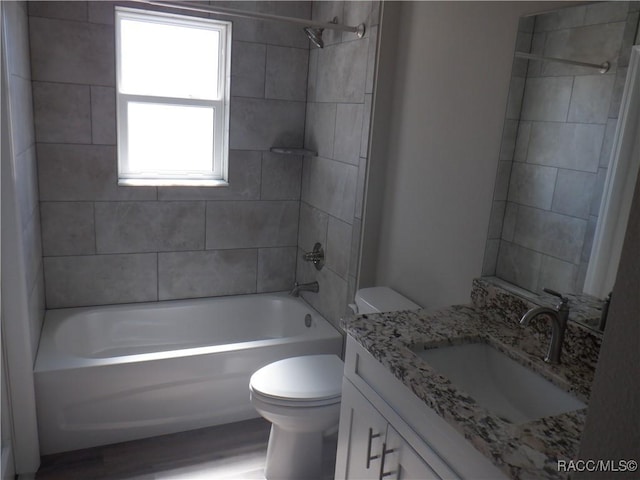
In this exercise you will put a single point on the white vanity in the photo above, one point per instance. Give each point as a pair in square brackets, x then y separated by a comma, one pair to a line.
[386, 432]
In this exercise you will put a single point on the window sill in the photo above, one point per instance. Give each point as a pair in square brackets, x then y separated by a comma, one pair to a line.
[172, 182]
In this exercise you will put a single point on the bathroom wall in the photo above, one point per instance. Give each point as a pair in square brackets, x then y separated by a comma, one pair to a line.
[556, 146]
[106, 244]
[451, 77]
[339, 97]
[22, 271]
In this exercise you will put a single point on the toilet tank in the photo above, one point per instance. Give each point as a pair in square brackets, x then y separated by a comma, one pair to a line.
[382, 299]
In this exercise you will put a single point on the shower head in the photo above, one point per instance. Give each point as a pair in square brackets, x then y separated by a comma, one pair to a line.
[315, 35]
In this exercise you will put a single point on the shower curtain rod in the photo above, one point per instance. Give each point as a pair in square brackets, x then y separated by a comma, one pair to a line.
[194, 7]
[603, 67]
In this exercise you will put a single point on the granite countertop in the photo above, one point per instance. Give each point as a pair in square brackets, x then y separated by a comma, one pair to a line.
[523, 451]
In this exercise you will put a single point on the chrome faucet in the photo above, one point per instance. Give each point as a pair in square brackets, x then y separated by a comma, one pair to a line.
[313, 287]
[559, 317]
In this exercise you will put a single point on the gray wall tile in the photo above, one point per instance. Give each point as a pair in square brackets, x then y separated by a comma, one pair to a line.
[606, 12]
[338, 248]
[569, 145]
[331, 301]
[101, 12]
[262, 124]
[371, 58]
[349, 125]
[557, 275]
[496, 219]
[590, 44]
[248, 62]
[590, 99]
[276, 269]
[103, 115]
[360, 188]
[547, 99]
[354, 256]
[573, 193]
[522, 142]
[286, 73]
[550, 233]
[283, 34]
[61, 10]
[342, 72]
[62, 113]
[598, 189]
[83, 172]
[251, 224]
[206, 273]
[281, 177]
[618, 90]
[564, 18]
[519, 265]
[509, 224]
[100, 279]
[132, 227]
[320, 125]
[244, 181]
[67, 228]
[532, 185]
[332, 188]
[312, 75]
[72, 52]
[313, 227]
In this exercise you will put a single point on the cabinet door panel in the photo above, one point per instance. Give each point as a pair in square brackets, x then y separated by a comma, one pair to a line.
[362, 433]
[401, 462]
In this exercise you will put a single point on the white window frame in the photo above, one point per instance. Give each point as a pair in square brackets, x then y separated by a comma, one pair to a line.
[218, 174]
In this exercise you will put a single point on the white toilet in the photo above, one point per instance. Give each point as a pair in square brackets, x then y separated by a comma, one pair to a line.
[300, 396]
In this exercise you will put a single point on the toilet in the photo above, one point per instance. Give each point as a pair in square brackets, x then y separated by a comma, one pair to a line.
[301, 396]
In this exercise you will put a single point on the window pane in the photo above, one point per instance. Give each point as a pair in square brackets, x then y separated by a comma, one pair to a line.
[169, 138]
[168, 60]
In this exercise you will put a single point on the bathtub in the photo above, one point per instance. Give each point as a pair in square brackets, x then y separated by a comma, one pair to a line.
[122, 372]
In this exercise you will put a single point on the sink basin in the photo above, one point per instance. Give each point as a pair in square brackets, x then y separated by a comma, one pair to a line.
[498, 383]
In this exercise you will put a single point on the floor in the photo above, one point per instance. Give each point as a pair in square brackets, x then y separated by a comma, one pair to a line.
[229, 452]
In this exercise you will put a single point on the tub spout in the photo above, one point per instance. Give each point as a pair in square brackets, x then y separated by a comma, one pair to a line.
[558, 316]
[313, 287]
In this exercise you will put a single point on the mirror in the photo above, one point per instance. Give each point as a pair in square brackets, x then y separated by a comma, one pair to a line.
[558, 134]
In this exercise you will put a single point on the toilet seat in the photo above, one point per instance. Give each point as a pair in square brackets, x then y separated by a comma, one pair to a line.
[307, 381]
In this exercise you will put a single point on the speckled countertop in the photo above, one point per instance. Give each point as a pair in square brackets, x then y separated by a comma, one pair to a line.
[523, 451]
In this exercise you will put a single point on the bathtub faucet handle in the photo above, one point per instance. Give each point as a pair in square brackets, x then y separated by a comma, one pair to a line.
[316, 256]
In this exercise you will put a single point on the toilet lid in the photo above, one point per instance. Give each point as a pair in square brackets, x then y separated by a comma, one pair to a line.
[311, 377]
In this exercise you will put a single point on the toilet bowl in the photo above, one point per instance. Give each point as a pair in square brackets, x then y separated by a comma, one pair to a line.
[301, 396]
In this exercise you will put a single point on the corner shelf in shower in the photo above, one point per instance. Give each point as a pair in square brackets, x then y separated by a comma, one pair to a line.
[294, 151]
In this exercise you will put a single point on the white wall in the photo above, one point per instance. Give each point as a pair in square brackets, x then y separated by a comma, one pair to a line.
[441, 139]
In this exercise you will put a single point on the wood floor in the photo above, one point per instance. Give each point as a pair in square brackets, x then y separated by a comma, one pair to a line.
[229, 452]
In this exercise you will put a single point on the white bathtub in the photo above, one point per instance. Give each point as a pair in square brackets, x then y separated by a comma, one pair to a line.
[116, 373]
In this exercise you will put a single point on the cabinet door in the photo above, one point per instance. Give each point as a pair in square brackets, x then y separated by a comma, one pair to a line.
[401, 462]
[361, 435]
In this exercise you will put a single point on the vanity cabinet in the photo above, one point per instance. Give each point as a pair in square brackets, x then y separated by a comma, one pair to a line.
[386, 432]
[374, 449]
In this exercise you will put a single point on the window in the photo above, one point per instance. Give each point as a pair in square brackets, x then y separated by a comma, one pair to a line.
[172, 98]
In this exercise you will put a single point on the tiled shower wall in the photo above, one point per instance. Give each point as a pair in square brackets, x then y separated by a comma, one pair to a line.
[337, 127]
[556, 146]
[24, 164]
[106, 244]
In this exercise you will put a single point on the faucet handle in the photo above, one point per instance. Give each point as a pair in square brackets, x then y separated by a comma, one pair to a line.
[562, 298]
